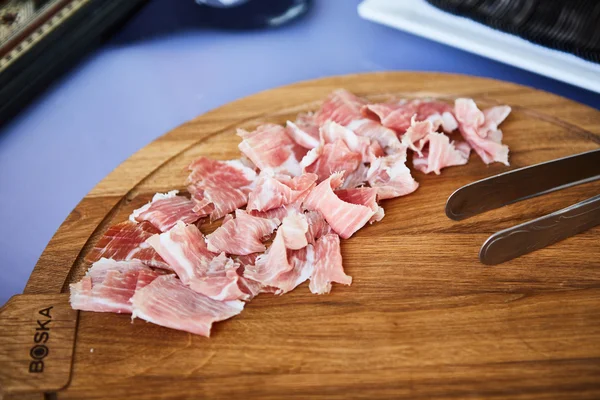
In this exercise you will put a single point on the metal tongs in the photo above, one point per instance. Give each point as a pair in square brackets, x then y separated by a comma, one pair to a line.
[525, 183]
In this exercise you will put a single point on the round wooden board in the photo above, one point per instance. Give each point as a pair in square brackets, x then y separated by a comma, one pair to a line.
[423, 318]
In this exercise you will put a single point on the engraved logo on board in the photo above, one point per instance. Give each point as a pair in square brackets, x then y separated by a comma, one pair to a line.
[39, 351]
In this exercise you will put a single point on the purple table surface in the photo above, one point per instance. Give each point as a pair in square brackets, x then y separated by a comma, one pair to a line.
[161, 70]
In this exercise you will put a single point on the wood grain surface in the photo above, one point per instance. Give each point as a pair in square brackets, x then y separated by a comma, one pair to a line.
[422, 319]
[37, 336]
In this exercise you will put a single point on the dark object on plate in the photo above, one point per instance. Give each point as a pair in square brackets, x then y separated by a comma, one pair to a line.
[251, 14]
[572, 26]
[525, 183]
[41, 39]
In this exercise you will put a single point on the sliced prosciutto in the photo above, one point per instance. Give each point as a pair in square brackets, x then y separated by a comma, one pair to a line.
[331, 131]
[387, 138]
[273, 191]
[468, 113]
[340, 106]
[109, 285]
[294, 229]
[343, 217]
[357, 178]
[304, 131]
[439, 113]
[165, 210]
[328, 265]
[127, 241]
[302, 262]
[416, 134]
[331, 157]
[305, 136]
[280, 267]
[317, 226]
[219, 187]
[441, 153]
[363, 196]
[398, 115]
[168, 302]
[211, 274]
[275, 214]
[145, 276]
[270, 148]
[483, 137]
[241, 235]
[269, 265]
[391, 176]
[446, 121]
[304, 185]
[251, 287]
[341, 149]
[493, 117]
[426, 108]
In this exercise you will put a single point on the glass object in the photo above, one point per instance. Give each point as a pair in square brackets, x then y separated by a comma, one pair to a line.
[251, 14]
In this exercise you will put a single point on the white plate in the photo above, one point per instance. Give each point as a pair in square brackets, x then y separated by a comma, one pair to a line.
[421, 18]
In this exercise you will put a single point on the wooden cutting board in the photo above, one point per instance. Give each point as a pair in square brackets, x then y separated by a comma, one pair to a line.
[422, 319]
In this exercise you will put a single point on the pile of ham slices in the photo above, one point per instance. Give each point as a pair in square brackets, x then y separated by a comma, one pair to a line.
[300, 187]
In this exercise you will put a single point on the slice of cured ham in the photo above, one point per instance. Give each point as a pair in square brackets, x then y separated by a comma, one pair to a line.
[387, 138]
[441, 153]
[275, 214]
[415, 135]
[375, 150]
[331, 132]
[302, 262]
[270, 148]
[446, 121]
[331, 157]
[168, 302]
[357, 178]
[427, 108]
[341, 149]
[271, 264]
[305, 130]
[294, 229]
[317, 226]
[393, 115]
[391, 176]
[248, 259]
[242, 235]
[274, 191]
[305, 136]
[211, 274]
[219, 187]
[340, 106]
[493, 117]
[484, 138]
[398, 115]
[469, 114]
[439, 113]
[344, 218]
[251, 287]
[146, 276]
[165, 210]
[328, 265]
[109, 285]
[127, 241]
[289, 260]
[363, 196]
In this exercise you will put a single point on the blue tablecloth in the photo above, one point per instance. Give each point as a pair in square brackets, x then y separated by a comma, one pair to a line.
[161, 70]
